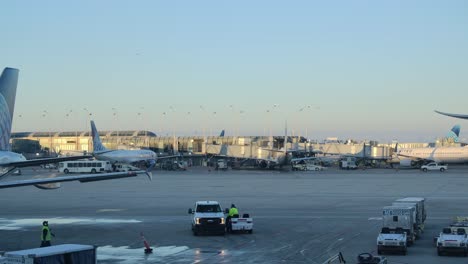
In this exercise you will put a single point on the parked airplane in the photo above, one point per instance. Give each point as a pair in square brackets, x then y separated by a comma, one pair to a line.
[11, 161]
[121, 155]
[418, 156]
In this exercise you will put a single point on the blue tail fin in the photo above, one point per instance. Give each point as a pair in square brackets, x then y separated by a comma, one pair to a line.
[454, 134]
[8, 84]
[97, 145]
[222, 133]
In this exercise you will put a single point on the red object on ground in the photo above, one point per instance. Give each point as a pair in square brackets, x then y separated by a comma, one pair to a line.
[148, 249]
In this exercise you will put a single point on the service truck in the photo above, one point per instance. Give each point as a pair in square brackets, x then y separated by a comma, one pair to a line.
[400, 216]
[66, 253]
[454, 239]
[433, 166]
[207, 218]
[419, 202]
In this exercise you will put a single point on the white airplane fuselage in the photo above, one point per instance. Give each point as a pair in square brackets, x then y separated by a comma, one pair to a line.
[126, 156]
[440, 154]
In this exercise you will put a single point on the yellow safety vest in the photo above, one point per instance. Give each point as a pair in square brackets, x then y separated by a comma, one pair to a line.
[48, 236]
[233, 211]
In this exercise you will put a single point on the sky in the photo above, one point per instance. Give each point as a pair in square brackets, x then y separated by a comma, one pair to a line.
[371, 70]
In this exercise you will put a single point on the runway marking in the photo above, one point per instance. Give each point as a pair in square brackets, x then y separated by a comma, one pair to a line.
[18, 224]
[375, 218]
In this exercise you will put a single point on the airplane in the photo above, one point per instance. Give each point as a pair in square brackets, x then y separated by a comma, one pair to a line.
[121, 155]
[411, 157]
[11, 161]
[452, 115]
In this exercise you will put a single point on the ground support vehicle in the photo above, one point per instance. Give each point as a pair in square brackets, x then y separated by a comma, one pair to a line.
[433, 166]
[454, 239]
[391, 240]
[67, 253]
[221, 164]
[348, 165]
[367, 258]
[402, 217]
[207, 218]
[419, 203]
[240, 224]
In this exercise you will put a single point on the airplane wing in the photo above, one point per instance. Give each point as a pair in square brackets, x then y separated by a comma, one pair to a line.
[452, 115]
[82, 178]
[35, 162]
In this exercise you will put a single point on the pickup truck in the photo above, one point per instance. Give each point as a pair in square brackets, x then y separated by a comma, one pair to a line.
[207, 218]
[434, 166]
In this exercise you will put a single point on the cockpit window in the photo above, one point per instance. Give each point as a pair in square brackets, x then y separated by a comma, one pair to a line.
[208, 208]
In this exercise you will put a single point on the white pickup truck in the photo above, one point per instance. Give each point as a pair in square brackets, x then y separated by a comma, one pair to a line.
[207, 218]
[433, 166]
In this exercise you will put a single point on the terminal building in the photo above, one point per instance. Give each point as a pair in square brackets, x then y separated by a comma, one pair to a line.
[259, 147]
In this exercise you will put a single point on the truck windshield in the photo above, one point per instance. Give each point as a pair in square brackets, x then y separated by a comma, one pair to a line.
[208, 208]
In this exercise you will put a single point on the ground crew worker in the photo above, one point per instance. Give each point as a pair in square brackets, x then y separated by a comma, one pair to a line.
[46, 236]
[233, 212]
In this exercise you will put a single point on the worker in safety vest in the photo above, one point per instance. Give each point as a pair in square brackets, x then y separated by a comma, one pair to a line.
[233, 212]
[46, 236]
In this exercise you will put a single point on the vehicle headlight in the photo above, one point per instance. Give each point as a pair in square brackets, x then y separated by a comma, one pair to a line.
[380, 242]
[197, 221]
[222, 220]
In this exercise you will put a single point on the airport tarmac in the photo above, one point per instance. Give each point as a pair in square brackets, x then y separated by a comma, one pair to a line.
[299, 217]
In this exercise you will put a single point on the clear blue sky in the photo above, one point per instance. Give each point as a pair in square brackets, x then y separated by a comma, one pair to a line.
[368, 69]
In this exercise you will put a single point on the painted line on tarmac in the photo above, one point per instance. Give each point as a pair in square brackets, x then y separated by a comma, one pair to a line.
[19, 224]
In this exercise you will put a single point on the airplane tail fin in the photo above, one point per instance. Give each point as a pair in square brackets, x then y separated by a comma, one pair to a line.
[8, 84]
[97, 145]
[453, 134]
[222, 133]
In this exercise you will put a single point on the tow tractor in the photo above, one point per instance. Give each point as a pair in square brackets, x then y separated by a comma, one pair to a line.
[454, 238]
[240, 224]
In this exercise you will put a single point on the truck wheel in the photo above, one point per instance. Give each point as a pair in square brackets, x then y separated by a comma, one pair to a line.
[404, 252]
[442, 169]
[425, 170]
[439, 252]
[66, 171]
[195, 233]
[379, 252]
[465, 253]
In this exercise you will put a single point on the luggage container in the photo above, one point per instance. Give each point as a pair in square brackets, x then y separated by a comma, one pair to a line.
[66, 253]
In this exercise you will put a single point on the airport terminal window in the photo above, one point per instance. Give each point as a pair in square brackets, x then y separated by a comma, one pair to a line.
[208, 208]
